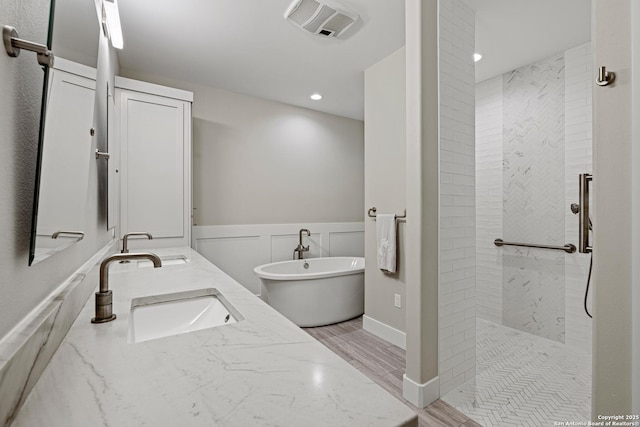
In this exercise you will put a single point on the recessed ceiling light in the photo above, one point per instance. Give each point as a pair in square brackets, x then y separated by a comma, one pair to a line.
[477, 57]
[316, 97]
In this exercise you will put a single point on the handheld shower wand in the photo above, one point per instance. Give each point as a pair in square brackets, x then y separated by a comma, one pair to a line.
[575, 208]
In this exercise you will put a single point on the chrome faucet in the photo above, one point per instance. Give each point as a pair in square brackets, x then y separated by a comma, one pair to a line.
[125, 238]
[301, 248]
[104, 297]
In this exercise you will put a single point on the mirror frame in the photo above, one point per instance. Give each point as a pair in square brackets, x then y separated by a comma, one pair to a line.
[43, 113]
[35, 254]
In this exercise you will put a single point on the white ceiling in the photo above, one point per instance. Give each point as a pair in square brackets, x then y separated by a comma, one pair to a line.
[513, 33]
[246, 46]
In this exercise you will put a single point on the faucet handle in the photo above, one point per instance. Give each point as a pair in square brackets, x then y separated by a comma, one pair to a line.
[104, 307]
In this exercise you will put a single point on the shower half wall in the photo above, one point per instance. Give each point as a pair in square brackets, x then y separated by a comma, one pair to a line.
[533, 138]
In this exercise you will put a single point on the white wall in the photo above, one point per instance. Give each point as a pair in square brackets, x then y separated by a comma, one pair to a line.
[635, 399]
[263, 162]
[385, 183]
[421, 384]
[457, 255]
[440, 158]
[22, 287]
[489, 198]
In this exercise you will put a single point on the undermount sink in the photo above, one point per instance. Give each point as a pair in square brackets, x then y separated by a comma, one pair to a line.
[166, 261]
[177, 313]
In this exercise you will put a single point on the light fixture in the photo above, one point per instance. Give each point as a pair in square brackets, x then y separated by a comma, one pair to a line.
[111, 23]
[477, 57]
[316, 97]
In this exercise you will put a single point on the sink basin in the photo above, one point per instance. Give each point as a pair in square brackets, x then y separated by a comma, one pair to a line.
[166, 261]
[178, 313]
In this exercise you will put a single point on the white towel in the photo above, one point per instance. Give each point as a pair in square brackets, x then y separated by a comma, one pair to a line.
[386, 239]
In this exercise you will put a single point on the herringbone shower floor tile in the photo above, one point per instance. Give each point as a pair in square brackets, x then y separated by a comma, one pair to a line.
[524, 380]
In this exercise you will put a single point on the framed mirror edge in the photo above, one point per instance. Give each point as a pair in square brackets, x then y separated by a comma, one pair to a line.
[39, 251]
[43, 112]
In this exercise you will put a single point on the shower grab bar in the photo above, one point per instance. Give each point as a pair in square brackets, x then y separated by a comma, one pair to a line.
[372, 213]
[568, 248]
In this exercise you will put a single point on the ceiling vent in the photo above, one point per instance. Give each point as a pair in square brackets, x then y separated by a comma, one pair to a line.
[320, 19]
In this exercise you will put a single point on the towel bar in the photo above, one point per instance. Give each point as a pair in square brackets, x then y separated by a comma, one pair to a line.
[372, 213]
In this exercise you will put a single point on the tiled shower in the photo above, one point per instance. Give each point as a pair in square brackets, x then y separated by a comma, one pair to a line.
[533, 138]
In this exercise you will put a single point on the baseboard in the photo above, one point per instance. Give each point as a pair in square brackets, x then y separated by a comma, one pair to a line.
[420, 395]
[384, 331]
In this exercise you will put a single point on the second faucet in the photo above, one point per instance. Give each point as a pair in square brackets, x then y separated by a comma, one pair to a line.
[125, 238]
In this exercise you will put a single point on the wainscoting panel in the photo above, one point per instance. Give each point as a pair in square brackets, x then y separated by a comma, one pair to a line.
[238, 249]
[228, 251]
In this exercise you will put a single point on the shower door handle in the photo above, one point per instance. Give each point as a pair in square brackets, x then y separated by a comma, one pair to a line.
[584, 245]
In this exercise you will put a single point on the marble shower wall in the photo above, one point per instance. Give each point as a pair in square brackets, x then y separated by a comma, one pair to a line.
[533, 147]
[533, 136]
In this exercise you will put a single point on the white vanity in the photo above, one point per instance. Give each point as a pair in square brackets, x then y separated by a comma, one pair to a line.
[259, 370]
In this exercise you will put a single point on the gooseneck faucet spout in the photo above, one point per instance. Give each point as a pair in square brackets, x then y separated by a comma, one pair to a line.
[104, 297]
[125, 239]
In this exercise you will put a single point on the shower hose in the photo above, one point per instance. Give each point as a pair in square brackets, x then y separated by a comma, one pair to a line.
[586, 291]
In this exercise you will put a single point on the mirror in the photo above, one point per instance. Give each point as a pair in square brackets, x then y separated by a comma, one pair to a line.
[64, 153]
[113, 195]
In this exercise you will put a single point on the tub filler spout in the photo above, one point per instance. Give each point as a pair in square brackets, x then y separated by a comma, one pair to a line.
[300, 249]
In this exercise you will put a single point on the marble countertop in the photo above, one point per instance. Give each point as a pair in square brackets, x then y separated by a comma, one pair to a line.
[261, 371]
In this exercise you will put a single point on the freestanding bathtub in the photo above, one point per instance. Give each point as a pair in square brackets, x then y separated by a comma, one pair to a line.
[315, 291]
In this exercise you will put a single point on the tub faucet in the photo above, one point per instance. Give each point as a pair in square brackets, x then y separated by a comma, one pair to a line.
[104, 297]
[301, 248]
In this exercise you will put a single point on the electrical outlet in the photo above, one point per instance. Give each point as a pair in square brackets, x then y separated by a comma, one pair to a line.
[397, 300]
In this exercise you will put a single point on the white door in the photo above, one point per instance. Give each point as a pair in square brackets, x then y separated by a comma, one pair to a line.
[155, 159]
[66, 154]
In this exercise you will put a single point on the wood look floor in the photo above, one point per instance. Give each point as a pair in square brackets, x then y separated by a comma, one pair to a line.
[384, 363]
